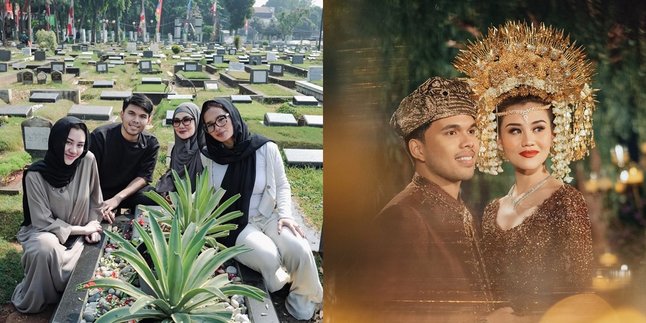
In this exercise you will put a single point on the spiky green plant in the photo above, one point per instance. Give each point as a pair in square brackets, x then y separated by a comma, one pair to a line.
[184, 288]
[199, 207]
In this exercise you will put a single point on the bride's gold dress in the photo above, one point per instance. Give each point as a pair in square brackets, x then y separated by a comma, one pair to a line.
[545, 258]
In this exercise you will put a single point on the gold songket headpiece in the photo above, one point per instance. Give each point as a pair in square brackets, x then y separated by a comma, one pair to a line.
[521, 60]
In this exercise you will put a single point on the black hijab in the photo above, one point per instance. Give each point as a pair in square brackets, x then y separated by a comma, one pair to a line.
[185, 152]
[241, 172]
[53, 167]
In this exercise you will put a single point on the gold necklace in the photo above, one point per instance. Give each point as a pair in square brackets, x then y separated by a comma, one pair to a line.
[516, 201]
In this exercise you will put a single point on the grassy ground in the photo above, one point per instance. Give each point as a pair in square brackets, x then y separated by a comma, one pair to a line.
[306, 182]
[272, 89]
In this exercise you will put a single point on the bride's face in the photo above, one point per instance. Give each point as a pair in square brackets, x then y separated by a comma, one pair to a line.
[526, 142]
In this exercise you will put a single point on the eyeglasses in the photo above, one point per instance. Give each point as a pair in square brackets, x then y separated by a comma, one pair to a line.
[186, 121]
[220, 121]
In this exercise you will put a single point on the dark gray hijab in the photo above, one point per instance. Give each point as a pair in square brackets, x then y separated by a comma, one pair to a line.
[186, 153]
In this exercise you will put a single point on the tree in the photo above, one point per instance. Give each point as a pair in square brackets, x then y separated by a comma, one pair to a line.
[238, 11]
[288, 20]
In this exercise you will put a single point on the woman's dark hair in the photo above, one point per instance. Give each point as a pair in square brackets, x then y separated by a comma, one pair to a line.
[506, 103]
[139, 100]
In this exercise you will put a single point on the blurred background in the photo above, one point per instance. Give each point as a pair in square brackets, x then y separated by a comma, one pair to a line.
[379, 51]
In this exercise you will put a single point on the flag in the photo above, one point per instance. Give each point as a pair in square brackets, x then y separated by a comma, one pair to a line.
[70, 20]
[142, 19]
[158, 12]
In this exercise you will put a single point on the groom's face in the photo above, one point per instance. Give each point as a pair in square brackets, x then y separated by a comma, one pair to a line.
[448, 151]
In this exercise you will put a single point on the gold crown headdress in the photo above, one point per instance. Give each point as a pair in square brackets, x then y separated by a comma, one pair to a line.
[520, 60]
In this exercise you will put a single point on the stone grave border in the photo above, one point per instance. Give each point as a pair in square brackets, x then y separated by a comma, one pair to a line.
[72, 95]
[310, 89]
[232, 81]
[245, 89]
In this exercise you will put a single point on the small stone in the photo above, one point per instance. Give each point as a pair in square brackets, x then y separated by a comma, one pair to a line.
[89, 315]
[111, 291]
[232, 270]
[94, 298]
[109, 250]
[237, 279]
[107, 273]
[235, 303]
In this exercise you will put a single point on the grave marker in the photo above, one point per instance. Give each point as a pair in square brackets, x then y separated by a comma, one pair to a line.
[90, 112]
[39, 55]
[279, 119]
[258, 77]
[148, 54]
[35, 135]
[115, 95]
[57, 77]
[304, 157]
[272, 56]
[102, 67]
[220, 51]
[255, 60]
[276, 69]
[315, 73]
[103, 84]
[241, 99]
[151, 80]
[5, 55]
[218, 59]
[48, 97]
[27, 77]
[313, 120]
[145, 66]
[304, 100]
[41, 77]
[297, 59]
[236, 67]
[58, 66]
[232, 51]
[190, 66]
[26, 51]
[3, 67]
[18, 110]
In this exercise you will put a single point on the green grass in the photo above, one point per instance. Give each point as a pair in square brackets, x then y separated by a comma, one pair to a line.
[272, 89]
[12, 161]
[309, 111]
[319, 82]
[240, 75]
[307, 185]
[149, 88]
[11, 135]
[290, 76]
[195, 75]
[10, 216]
[290, 137]
[11, 272]
[253, 111]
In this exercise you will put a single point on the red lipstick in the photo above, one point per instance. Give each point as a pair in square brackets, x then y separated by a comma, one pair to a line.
[529, 153]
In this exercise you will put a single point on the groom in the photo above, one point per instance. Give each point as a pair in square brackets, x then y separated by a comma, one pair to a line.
[430, 266]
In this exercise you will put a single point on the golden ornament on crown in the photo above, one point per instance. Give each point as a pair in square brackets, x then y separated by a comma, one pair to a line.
[519, 60]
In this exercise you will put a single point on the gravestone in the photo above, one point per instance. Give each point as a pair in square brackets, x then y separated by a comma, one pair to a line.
[154, 47]
[183, 97]
[58, 66]
[255, 60]
[315, 73]
[218, 59]
[220, 51]
[57, 77]
[241, 99]
[103, 84]
[24, 111]
[131, 47]
[313, 120]
[151, 80]
[258, 77]
[304, 100]
[211, 85]
[26, 51]
[236, 67]
[115, 95]
[276, 69]
[148, 54]
[232, 51]
[47, 97]
[39, 55]
[3, 67]
[304, 157]
[35, 135]
[271, 57]
[145, 66]
[169, 117]
[5, 55]
[42, 78]
[297, 59]
[27, 77]
[76, 48]
[191, 66]
[84, 47]
[101, 67]
[90, 112]
[280, 119]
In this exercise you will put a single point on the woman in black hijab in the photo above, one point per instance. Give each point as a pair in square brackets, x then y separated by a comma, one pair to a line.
[61, 200]
[189, 140]
[251, 165]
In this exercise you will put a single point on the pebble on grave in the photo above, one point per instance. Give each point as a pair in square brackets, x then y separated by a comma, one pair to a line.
[241, 99]
[90, 112]
[304, 157]
[305, 100]
[279, 119]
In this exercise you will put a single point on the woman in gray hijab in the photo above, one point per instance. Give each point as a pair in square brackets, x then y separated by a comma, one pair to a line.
[189, 139]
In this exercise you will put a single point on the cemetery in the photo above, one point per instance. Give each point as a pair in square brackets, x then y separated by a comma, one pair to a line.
[89, 79]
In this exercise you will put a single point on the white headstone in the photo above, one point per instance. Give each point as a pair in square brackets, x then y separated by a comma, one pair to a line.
[236, 67]
[272, 56]
[315, 73]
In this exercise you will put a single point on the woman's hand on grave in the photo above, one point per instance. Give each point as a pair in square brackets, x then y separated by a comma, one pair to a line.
[93, 227]
[110, 204]
[108, 215]
[93, 237]
[292, 225]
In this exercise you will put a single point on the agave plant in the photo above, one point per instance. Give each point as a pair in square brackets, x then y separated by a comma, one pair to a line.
[184, 288]
[199, 207]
